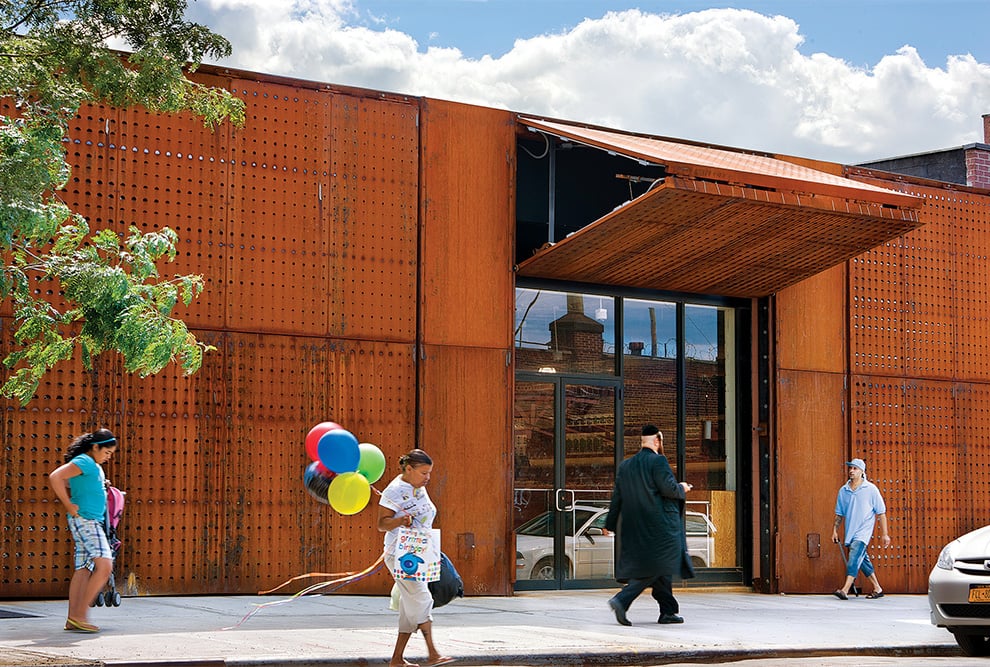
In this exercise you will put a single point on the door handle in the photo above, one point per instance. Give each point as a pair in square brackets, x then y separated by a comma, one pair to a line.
[561, 493]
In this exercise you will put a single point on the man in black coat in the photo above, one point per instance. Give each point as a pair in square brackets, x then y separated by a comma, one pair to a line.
[647, 508]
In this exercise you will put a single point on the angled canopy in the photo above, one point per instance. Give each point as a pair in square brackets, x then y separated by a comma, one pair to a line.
[722, 222]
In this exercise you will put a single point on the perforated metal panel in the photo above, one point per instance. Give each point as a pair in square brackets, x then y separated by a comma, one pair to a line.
[171, 171]
[918, 394]
[375, 218]
[919, 337]
[292, 251]
[277, 240]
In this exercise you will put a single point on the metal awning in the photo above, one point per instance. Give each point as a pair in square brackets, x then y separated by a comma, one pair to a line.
[722, 222]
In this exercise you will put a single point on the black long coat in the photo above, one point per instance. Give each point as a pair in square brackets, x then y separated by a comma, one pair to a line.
[647, 509]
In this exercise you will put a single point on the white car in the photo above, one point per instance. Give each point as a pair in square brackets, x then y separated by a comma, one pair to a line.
[589, 550]
[959, 591]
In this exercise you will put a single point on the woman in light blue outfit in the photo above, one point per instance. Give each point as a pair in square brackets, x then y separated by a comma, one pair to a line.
[81, 488]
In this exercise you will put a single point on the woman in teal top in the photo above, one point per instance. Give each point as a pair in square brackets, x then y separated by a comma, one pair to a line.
[80, 486]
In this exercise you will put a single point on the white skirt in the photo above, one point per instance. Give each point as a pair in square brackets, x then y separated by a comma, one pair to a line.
[415, 600]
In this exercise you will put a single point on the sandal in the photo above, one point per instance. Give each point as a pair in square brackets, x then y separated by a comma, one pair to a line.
[80, 626]
[441, 661]
[839, 594]
[874, 595]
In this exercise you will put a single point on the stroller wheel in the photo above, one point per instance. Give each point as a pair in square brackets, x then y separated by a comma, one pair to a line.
[98, 602]
[114, 598]
[108, 598]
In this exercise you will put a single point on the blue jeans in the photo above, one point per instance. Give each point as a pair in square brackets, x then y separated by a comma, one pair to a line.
[859, 560]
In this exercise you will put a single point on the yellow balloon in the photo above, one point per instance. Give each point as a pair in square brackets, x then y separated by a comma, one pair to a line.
[349, 493]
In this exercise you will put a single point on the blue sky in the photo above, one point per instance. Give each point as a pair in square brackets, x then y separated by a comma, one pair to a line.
[859, 31]
[843, 80]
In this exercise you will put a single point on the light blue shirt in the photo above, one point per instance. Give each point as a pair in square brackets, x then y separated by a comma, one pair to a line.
[87, 490]
[859, 508]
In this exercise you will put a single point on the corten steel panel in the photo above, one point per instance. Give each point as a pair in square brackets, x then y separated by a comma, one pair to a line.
[946, 272]
[720, 164]
[970, 498]
[468, 225]
[373, 214]
[465, 398]
[904, 430]
[174, 466]
[876, 311]
[715, 239]
[810, 450]
[35, 545]
[89, 190]
[268, 516]
[811, 323]
[276, 246]
[174, 172]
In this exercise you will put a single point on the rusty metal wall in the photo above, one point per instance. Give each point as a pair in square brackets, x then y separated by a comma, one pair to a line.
[917, 383]
[810, 430]
[466, 367]
[306, 225]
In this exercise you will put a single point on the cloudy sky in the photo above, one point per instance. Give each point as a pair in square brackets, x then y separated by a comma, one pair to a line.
[843, 80]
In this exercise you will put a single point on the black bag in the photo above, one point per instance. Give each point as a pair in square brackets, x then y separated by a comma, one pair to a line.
[448, 586]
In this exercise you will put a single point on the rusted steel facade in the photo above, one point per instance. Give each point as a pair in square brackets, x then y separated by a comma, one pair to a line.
[340, 233]
[358, 252]
[887, 358]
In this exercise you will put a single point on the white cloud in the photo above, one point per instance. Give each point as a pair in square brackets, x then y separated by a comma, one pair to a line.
[727, 76]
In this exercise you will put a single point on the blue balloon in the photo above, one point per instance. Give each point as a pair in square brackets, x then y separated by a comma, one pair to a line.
[339, 451]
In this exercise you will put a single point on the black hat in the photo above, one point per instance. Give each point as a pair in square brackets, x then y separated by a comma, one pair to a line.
[649, 430]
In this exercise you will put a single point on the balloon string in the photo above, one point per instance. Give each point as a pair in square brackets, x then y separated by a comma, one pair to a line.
[343, 578]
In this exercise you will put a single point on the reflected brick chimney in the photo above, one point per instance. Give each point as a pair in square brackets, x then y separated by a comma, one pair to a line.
[577, 333]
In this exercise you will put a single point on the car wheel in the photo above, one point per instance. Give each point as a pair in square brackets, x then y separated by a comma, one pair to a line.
[975, 646]
[543, 569]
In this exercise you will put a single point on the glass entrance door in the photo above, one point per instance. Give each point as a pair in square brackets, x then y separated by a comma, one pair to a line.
[564, 470]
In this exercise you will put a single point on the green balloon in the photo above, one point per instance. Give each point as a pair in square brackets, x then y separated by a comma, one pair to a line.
[349, 493]
[372, 462]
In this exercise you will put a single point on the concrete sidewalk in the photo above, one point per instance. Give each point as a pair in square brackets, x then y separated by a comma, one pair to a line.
[534, 628]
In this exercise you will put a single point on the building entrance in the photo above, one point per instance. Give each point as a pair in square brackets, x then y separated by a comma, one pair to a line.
[565, 457]
[591, 370]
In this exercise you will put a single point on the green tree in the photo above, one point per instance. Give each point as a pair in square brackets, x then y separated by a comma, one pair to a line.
[108, 295]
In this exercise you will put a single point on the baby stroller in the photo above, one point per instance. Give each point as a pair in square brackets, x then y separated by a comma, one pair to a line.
[115, 509]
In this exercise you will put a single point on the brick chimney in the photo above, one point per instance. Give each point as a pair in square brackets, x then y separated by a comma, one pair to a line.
[978, 159]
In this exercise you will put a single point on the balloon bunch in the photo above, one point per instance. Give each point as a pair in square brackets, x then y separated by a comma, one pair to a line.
[342, 469]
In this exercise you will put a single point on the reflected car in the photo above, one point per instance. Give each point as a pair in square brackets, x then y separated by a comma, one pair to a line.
[589, 548]
[959, 591]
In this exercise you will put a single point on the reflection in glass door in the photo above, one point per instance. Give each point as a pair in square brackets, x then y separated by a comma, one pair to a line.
[564, 470]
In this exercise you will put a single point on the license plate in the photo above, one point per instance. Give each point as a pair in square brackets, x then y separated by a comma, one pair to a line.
[979, 593]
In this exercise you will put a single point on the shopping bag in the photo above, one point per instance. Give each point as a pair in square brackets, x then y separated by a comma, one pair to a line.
[417, 554]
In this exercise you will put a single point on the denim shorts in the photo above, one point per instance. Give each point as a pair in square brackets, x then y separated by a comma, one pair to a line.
[90, 540]
[859, 560]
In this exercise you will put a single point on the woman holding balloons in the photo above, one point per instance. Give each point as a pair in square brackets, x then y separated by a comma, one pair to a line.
[405, 503]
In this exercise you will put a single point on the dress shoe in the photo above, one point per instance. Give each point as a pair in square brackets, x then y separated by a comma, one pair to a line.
[620, 613]
[670, 618]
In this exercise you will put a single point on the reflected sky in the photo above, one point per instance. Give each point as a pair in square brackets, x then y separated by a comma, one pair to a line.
[645, 322]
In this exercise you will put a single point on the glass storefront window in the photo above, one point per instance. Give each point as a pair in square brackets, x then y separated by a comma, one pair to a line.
[709, 425]
[687, 387]
[559, 332]
[649, 350]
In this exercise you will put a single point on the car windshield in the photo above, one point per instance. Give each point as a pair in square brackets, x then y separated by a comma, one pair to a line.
[542, 525]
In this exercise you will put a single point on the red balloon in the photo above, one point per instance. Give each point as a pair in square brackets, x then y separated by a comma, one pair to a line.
[314, 435]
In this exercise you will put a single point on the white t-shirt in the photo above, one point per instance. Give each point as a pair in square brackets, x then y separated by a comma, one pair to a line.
[404, 499]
